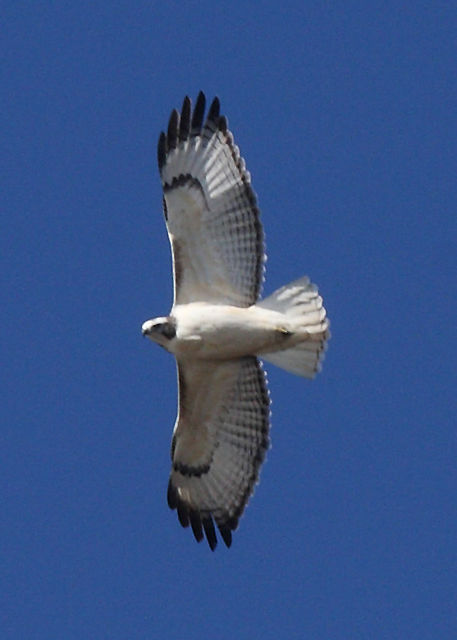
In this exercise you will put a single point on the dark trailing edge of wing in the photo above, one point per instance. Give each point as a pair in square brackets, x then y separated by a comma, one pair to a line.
[202, 523]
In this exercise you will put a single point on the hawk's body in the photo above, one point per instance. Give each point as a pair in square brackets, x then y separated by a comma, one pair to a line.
[217, 327]
[207, 331]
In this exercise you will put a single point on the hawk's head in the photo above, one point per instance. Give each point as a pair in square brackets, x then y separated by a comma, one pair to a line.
[160, 330]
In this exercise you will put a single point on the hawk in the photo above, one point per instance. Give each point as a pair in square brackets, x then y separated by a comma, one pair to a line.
[218, 328]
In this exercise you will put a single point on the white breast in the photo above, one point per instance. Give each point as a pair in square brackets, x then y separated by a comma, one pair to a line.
[223, 331]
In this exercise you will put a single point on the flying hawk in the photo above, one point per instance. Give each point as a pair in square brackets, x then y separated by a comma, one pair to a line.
[218, 328]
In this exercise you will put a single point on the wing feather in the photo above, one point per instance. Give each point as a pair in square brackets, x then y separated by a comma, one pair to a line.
[219, 443]
[199, 111]
[184, 124]
[210, 208]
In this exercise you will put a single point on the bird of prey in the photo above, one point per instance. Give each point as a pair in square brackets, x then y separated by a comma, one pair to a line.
[218, 327]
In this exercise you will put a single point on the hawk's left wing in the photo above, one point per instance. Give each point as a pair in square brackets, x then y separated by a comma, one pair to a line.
[211, 210]
[219, 442]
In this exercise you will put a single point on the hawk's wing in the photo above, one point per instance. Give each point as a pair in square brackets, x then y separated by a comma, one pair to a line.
[211, 210]
[219, 442]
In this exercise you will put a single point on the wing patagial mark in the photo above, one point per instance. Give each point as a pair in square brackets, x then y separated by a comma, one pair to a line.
[189, 472]
[177, 262]
[181, 181]
[165, 208]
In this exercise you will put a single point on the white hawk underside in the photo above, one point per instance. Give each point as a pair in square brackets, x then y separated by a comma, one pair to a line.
[213, 222]
[221, 432]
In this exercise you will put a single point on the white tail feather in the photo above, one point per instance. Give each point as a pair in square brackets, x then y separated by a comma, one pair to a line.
[301, 304]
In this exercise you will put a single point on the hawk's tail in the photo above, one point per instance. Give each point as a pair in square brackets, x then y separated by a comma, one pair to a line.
[301, 303]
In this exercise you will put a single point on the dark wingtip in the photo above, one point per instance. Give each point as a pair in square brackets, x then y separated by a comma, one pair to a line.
[172, 134]
[162, 149]
[183, 515]
[226, 535]
[222, 124]
[210, 532]
[172, 496]
[213, 113]
[184, 125]
[232, 523]
[197, 118]
[196, 524]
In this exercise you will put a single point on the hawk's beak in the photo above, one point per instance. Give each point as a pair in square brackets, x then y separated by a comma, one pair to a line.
[147, 328]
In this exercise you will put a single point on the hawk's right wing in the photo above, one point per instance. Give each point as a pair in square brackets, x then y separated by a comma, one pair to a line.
[219, 443]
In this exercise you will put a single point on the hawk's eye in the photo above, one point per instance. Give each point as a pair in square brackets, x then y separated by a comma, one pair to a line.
[168, 330]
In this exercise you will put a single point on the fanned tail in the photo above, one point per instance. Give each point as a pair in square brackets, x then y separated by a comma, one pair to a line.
[301, 303]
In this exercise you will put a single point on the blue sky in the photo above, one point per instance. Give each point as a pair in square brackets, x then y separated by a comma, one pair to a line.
[345, 115]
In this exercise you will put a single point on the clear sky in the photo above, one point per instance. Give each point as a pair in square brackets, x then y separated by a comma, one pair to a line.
[345, 113]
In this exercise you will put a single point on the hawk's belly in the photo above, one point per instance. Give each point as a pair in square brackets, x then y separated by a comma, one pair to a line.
[224, 332]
